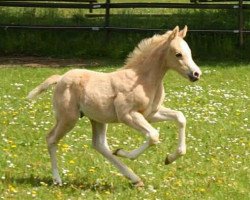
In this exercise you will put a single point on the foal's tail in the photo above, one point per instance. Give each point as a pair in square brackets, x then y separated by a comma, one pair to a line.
[44, 86]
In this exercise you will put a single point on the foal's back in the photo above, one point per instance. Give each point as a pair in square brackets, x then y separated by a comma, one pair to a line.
[92, 93]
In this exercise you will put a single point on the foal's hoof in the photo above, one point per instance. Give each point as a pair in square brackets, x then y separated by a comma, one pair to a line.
[57, 182]
[167, 161]
[138, 184]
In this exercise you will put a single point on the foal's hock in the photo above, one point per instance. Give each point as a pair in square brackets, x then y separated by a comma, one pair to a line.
[132, 95]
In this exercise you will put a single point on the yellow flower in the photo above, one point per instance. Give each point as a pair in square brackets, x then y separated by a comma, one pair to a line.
[202, 190]
[178, 183]
[14, 113]
[220, 181]
[71, 161]
[92, 169]
[107, 192]
[65, 146]
[33, 193]
[12, 189]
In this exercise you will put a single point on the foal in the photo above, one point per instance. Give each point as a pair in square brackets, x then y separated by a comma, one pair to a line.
[131, 95]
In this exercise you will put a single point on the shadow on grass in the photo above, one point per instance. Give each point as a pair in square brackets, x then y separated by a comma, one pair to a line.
[31, 180]
[83, 183]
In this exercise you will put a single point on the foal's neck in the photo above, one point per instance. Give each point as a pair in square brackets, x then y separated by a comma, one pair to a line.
[148, 60]
[152, 68]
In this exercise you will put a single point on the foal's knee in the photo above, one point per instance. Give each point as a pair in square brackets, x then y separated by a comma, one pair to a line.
[100, 148]
[53, 137]
[97, 146]
[51, 141]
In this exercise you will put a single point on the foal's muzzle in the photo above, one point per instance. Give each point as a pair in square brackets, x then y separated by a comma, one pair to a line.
[194, 76]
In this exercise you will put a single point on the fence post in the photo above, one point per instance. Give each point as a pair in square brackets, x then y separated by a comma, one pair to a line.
[107, 18]
[241, 23]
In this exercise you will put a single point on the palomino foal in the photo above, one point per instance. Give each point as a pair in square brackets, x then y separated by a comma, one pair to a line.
[131, 95]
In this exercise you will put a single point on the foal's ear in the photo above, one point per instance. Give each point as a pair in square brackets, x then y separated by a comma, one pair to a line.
[183, 32]
[174, 33]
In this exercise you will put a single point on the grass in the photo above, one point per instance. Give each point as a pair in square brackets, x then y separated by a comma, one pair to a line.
[216, 165]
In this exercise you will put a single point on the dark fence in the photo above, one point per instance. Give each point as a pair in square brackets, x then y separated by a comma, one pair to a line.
[239, 6]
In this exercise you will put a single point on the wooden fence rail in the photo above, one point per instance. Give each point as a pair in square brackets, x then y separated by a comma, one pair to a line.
[239, 5]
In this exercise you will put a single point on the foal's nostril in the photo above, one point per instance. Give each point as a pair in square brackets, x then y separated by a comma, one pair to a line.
[196, 74]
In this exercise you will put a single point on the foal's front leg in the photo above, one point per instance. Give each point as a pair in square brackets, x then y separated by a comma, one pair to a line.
[165, 114]
[138, 122]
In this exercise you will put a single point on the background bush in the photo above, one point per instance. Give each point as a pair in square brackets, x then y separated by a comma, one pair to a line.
[92, 44]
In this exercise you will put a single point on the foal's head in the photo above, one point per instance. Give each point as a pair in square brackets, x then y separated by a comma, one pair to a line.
[179, 57]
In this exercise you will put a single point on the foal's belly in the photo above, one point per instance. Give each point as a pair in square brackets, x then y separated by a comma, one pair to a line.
[99, 108]
[96, 96]
[99, 115]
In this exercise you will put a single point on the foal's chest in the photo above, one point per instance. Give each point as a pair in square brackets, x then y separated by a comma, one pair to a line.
[149, 99]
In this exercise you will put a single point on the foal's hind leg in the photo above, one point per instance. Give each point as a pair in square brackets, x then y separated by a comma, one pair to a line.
[64, 124]
[101, 145]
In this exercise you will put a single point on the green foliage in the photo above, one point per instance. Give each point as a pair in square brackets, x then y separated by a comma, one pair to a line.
[216, 165]
[205, 46]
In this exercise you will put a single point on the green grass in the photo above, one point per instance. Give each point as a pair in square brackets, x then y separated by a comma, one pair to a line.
[216, 165]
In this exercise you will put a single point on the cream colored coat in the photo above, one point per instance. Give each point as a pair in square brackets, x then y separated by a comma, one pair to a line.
[132, 95]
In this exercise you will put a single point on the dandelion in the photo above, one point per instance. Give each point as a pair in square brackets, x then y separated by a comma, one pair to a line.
[12, 189]
[65, 147]
[107, 192]
[33, 193]
[92, 169]
[202, 190]
[72, 162]
[178, 183]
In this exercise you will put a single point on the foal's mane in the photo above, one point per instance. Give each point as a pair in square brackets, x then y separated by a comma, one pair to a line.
[144, 48]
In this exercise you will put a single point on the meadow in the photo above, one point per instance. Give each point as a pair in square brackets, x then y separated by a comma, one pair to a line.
[216, 165]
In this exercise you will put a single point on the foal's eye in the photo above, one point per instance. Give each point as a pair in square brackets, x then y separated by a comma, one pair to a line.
[178, 55]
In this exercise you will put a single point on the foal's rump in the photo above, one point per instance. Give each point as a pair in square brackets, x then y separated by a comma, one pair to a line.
[82, 91]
